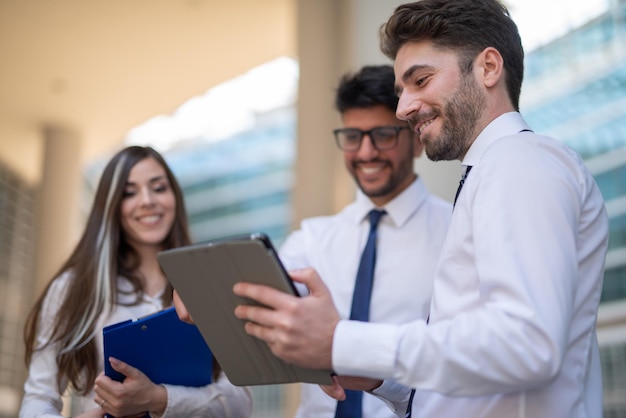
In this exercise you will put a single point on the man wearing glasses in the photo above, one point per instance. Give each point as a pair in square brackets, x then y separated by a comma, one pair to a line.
[379, 151]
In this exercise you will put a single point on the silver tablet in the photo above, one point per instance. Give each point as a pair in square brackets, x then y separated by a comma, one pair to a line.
[204, 275]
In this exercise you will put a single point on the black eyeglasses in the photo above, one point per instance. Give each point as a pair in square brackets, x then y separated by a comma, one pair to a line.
[382, 137]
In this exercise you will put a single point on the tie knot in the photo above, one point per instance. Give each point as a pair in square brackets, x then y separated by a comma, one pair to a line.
[375, 215]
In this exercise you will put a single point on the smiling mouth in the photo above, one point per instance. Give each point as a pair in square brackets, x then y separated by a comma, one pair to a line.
[424, 125]
[150, 219]
[370, 170]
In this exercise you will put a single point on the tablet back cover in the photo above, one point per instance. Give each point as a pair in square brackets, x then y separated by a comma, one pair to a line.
[163, 347]
[204, 275]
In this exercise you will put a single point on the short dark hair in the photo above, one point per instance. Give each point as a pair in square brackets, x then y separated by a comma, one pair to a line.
[465, 26]
[371, 86]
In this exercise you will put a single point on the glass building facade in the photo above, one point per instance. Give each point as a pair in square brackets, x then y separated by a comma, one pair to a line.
[241, 184]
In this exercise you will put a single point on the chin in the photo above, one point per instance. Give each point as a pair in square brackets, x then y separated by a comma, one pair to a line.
[152, 241]
[374, 191]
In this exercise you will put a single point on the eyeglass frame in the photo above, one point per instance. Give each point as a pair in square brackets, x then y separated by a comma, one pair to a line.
[397, 129]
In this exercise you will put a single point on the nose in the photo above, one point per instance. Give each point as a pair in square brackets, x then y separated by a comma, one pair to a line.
[407, 105]
[367, 149]
[146, 195]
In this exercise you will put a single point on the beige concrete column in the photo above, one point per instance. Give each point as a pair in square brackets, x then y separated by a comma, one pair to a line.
[321, 184]
[58, 207]
[318, 169]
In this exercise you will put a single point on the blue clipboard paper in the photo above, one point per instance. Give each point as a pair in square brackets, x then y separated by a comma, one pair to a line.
[163, 347]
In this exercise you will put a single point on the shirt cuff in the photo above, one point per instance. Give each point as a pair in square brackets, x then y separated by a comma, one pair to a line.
[376, 344]
[167, 406]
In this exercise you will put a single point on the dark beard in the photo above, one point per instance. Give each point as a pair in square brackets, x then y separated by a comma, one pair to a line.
[461, 112]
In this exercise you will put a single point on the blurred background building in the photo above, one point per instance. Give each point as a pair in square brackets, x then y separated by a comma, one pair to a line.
[80, 81]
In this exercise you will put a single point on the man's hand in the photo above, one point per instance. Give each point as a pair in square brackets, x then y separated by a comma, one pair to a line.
[299, 330]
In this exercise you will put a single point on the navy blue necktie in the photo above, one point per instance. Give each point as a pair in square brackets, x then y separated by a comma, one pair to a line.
[469, 167]
[351, 407]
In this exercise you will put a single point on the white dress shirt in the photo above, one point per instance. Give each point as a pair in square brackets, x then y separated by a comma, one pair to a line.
[512, 324]
[42, 398]
[410, 236]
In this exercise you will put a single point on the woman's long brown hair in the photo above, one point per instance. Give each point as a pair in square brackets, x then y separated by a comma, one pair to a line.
[101, 256]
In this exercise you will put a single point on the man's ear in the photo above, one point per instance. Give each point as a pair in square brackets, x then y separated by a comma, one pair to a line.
[490, 67]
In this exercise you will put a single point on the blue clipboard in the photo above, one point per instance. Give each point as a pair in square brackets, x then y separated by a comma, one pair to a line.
[163, 347]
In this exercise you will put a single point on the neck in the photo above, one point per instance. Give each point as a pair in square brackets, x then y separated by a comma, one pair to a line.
[489, 116]
[150, 271]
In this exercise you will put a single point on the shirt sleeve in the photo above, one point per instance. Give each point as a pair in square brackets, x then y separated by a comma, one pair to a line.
[219, 399]
[293, 251]
[42, 396]
[506, 329]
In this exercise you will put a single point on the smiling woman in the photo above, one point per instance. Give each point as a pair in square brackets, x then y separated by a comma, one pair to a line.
[113, 275]
[148, 207]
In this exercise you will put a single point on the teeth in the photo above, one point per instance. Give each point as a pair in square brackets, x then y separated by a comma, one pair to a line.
[424, 125]
[370, 170]
[149, 219]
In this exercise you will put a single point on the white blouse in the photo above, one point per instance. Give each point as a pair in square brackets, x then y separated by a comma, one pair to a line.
[42, 397]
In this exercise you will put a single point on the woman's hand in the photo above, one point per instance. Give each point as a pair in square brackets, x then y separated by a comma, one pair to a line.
[337, 389]
[334, 390]
[135, 396]
[181, 309]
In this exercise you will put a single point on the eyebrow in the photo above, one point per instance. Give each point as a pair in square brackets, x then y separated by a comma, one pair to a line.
[152, 180]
